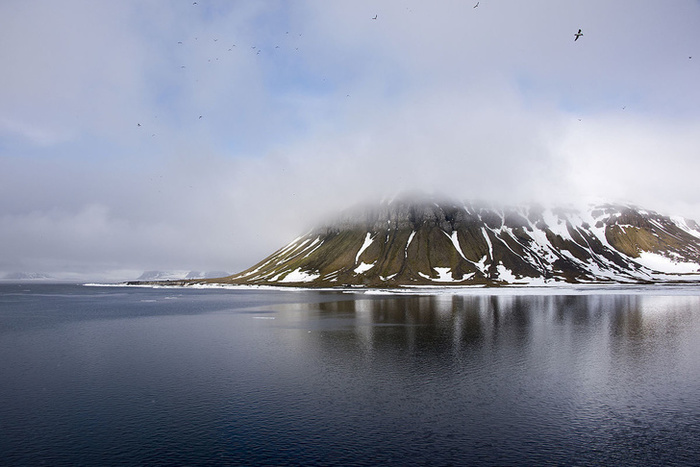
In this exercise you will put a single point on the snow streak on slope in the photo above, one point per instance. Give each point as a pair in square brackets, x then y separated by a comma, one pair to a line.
[368, 242]
[455, 243]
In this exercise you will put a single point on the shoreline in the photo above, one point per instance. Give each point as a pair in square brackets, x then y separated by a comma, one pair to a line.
[665, 288]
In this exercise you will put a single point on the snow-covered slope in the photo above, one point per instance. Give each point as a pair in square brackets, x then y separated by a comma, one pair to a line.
[441, 243]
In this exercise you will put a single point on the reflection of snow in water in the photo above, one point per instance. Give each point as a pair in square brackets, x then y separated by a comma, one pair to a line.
[659, 290]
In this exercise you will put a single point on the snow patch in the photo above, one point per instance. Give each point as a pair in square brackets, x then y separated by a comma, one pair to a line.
[488, 241]
[363, 267]
[445, 275]
[410, 239]
[482, 263]
[661, 263]
[682, 223]
[455, 242]
[314, 246]
[365, 245]
[299, 276]
[505, 274]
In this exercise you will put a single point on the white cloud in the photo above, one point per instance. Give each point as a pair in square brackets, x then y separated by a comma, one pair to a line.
[312, 106]
[648, 162]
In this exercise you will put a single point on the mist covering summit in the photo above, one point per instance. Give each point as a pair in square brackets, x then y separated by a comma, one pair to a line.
[429, 242]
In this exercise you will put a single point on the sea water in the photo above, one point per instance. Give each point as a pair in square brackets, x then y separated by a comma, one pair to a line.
[177, 376]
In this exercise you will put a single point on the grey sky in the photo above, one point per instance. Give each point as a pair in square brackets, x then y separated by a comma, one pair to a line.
[312, 106]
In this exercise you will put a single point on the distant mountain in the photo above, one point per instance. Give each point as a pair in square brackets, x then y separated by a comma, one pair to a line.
[429, 242]
[27, 276]
[162, 275]
[206, 274]
[180, 275]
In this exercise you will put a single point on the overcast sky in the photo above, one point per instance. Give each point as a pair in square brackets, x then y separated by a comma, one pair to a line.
[140, 135]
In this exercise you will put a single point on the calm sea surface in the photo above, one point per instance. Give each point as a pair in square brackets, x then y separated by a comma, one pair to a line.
[115, 375]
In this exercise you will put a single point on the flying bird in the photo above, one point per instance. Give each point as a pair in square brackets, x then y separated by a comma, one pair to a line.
[477, 4]
[577, 35]
[375, 17]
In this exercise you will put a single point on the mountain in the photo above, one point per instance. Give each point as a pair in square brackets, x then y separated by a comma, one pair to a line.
[429, 242]
[206, 274]
[27, 276]
[180, 275]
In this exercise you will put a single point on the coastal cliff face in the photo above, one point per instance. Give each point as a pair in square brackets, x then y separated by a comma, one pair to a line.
[428, 242]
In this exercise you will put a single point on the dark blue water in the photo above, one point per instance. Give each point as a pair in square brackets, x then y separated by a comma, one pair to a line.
[99, 376]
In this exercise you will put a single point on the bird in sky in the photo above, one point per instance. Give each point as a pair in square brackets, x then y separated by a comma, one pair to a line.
[577, 35]
[477, 4]
[375, 17]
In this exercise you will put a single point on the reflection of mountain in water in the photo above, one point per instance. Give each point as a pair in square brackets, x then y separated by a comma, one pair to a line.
[544, 328]
[601, 369]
